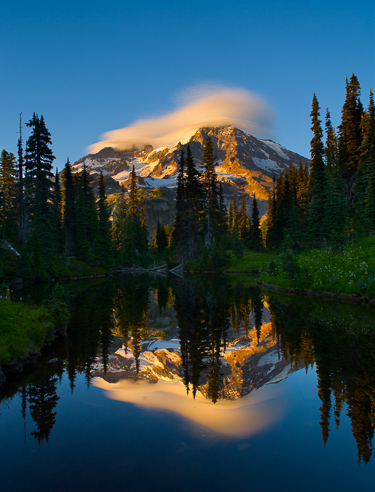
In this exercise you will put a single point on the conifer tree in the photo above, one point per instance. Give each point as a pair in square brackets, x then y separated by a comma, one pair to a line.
[318, 186]
[350, 137]
[68, 210]
[256, 237]
[211, 210]
[8, 196]
[86, 218]
[244, 225]
[38, 167]
[134, 244]
[193, 210]
[180, 217]
[104, 251]
[331, 149]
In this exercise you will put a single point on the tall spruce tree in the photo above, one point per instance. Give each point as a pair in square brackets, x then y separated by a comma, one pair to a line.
[38, 168]
[256, 236]
[104, 252]
[68, 210]
[318, 184]
[350, 137]
[8, 196]
[211, 211]
[180, 217]
[193, 206]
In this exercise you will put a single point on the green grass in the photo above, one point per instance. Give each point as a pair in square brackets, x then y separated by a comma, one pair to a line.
[251, 261]
[350, 271]
[23, 329]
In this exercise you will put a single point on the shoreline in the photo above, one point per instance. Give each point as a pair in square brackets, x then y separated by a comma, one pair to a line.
[323, 295]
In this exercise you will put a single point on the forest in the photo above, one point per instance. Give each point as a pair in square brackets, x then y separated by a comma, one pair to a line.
[55, 225]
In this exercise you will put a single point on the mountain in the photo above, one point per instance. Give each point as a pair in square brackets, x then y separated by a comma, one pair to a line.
[246, 364]
[245, 164]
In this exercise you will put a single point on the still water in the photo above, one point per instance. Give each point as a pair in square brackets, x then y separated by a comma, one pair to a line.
[199, 384]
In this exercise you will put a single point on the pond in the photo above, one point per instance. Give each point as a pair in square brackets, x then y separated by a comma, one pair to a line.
[177, 384]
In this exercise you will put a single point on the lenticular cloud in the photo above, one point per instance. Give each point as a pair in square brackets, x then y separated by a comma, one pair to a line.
[216, 107]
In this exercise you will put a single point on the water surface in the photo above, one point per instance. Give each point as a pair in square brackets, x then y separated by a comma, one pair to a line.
[183, 385]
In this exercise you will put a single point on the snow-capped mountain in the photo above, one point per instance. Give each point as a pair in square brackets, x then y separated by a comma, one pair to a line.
[244, 162]
[246, 364]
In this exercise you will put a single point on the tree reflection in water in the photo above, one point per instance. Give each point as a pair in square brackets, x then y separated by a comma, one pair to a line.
[209, 319]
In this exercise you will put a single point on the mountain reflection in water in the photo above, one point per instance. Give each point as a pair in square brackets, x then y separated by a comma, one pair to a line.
[202, 347]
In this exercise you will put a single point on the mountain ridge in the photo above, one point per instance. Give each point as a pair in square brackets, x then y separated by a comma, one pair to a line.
[245, 164]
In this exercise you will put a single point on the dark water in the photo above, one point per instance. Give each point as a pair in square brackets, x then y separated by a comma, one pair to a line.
[165, 384]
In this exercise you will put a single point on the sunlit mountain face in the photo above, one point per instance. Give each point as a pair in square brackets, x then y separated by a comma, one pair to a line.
[245, 164]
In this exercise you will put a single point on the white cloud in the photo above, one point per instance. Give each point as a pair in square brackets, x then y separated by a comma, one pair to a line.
[202, 106]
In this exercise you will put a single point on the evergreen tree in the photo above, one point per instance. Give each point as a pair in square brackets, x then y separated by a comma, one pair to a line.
[180, 217]
[350, 137]
[38, 167]
[211, 211]
[318, 186]
[256, 238]
[86, 218]
[244, 225]
[134, 245]
[331, 149]
[104, 251]
[38, 195]
[8, 196]
[193, 207]
[68, 210]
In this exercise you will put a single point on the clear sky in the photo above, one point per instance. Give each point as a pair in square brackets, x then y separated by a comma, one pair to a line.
[90, 67]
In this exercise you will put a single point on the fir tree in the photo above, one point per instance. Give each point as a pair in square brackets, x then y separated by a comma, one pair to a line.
[318, 187]
[211, 212]
[193, 207]
[68, 210]
[256, 238]
[38, 167]
[104, 251]
[8, 196]
[350, 137]
[244, 225]
[180, 217]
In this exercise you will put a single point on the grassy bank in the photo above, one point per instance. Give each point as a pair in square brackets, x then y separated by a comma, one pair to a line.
[350, 270]
[26, 329]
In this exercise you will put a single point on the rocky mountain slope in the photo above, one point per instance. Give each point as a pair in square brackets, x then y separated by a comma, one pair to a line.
[245, 164]
[246, 364]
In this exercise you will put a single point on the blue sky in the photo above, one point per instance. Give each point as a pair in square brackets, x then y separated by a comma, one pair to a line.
[91, 67]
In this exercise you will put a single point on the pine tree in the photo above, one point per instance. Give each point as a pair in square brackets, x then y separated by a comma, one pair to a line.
[86, 218]
[8, 196]
[180, 217]
[104, 251]
[134, 245]
[350, 137]
[68, 210]
[38, 167]
[244, 225]
[193, 206]
[331, 149]
[211, 212]
[256, 237]
[318, 185]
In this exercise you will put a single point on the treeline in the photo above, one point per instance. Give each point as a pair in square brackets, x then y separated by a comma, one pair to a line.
[204, 229]
[44, 220]
[334, 200]
[51, 224]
